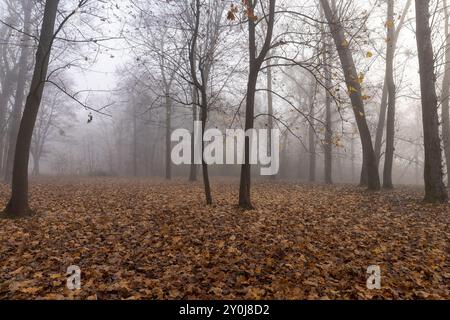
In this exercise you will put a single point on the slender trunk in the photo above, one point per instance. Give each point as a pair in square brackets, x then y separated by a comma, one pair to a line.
[328, 147]
[270, 113]
[352, 80]
[204, 116]
[36, 168]
[416, 166]
[193, 166]
[18, 204]
[381, 121]
[312, 137]
[352, 151]
[328, 139]
[244, 188]
[20, 91]
[168, 132]
[384, 95]
[255, 62]
[202, 87]
[285, 172]
[390, 123]
[7, 91]
[135, 164]
[148, 148]
[445, 95]
[435, 190]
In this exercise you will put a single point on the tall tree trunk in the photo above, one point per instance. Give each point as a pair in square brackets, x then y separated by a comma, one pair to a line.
[384, 95]
[364, 178]
[352, 80]
[328, 138]
[435, 190]
[381, 121]
[20, 90]
[244, 188]
[390, 123]
[353, 156]
[7, 91]
[255, 62]
[312, 135]
[193, 166]
[328, 147]
[36, 164]
[416, 165]
[270, 112]
[204, 116]
[7, 84]
[168, 132]
[202, 87]
[135, 151]
[18, 204]
[446, 95]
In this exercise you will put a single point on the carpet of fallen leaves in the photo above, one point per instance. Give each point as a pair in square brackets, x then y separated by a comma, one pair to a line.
[155, 240]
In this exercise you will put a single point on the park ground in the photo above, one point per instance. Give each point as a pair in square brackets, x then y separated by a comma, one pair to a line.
[142, 239]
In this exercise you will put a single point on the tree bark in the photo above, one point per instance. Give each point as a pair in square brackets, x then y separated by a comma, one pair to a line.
[244, 188]
[384, 96]
[206, 183]
[270, 112]
[390, 122]
[135, 151]
[312, 135]
[18, 204]
[435, 190]
[381, 121]
[255, 62]
[352, 80]
[202, 87]
[168, 132]
[353, 156]
[446, 95]
[193, 166]
[328, 147]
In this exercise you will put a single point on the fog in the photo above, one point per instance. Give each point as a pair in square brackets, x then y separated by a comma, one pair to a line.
[224, 149]
[123, 69]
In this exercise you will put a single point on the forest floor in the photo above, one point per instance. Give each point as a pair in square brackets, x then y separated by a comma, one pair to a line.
[155, 240]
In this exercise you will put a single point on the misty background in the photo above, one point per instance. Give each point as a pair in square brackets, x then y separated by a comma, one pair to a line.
[107, 116]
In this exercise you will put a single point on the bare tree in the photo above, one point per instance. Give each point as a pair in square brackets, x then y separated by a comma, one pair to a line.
[18, 204]
[20, 90]
[328, 141]
[390, 123]
[193, 167]
[201, 60]
[255, 62]
[354, 88]
[312, 131]
[392, 46]
[445, 95]
[435, 190]
[270, 114]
